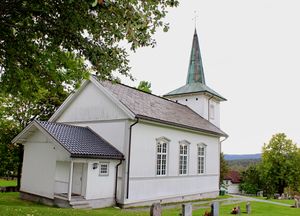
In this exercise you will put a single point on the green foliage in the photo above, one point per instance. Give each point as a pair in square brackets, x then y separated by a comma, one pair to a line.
[144, 86]
[250, 180]
[280, 164]
[44, 41]
[223, 168]
[242, 164]
[48, 47]
[8, 152]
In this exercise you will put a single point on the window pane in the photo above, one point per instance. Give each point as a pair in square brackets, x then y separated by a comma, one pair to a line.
[158, 147]
[161, 163]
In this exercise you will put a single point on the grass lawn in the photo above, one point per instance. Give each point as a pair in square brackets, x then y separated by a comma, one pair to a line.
[290, 202]
[4, 182]
[11, 205]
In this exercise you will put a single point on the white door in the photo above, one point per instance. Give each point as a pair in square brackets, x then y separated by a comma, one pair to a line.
[77, 178]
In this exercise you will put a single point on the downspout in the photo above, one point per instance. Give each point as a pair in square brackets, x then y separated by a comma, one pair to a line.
[208, 107]
[116, 182]
[129, 151]
[220, 142]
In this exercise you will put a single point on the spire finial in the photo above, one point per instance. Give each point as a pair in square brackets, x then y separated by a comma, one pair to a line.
[195, 18]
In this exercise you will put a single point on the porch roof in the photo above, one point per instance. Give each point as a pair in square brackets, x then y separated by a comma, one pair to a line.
[81, 142]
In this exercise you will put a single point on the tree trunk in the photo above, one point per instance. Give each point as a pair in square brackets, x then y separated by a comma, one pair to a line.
[281, 187]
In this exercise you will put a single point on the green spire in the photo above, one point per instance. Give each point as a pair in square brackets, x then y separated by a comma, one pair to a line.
[195, 73]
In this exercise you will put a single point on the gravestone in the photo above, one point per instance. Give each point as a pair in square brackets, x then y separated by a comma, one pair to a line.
[238, 210]
[297, 204]
[248, 208]
[187, 209]
[155, 209]
[215, 209]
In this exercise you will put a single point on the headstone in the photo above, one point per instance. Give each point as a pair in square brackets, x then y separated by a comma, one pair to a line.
[187, 209]
[238, 210]
[155, 209]
[248, 208]
[215, 209]
[297, 204]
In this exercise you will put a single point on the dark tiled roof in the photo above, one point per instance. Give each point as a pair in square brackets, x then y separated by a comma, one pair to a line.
[155, 108]
[81, 141]
[234, 176]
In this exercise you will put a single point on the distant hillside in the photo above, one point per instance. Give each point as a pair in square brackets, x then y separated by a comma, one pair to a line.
[230, 157]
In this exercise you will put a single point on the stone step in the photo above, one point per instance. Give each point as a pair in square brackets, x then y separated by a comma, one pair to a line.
[80, 204]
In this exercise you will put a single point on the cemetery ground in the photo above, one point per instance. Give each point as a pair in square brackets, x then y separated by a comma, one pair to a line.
[11, 205]
[5, 183]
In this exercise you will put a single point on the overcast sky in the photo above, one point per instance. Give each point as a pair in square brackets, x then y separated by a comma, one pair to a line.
[251, 56]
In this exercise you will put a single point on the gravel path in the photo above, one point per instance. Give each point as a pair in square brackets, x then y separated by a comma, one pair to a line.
[260, 200]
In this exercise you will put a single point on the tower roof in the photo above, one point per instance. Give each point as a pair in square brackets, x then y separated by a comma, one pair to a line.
[195, 82]
[195, 72]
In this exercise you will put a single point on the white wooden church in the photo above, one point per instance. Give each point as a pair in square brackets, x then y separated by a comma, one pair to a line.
[111, 144]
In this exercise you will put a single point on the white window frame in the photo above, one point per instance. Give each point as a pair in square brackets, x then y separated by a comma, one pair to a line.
[105, 164]
[162, 156]
[183, 156]
[201, 158]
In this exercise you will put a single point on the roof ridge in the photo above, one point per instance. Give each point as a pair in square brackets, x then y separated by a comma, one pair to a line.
[60, 123]
[161, 97]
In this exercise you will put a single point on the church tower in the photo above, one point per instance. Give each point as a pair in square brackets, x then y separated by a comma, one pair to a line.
[195, 93]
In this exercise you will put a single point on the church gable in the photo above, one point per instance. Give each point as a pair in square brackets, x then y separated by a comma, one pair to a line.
[90, 104]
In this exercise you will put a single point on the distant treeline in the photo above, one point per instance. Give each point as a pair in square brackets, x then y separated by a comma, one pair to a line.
[241, 165]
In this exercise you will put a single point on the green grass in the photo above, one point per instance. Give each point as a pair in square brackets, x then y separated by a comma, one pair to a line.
[286, 201]
[11, 205]
[4, 183]
[258, 209]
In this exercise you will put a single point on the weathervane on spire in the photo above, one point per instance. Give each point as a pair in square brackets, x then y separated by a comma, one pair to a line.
[195, 18]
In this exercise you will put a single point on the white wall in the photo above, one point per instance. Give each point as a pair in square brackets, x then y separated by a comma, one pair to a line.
[91, 105]
[62, 177]
[232, 188]
[144, 184]
[99, 186]
[199, 103]
[111, 131]
[39, 163]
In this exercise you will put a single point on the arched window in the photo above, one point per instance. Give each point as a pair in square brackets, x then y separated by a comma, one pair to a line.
[201, 158]
[183, 157]
[162, 156]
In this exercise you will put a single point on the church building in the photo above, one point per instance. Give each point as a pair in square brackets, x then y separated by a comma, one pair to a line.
[111, 144]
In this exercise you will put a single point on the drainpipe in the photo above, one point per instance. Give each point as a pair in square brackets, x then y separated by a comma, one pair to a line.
[116, 182]
[220, 142]
[208, 107]
[129, 151]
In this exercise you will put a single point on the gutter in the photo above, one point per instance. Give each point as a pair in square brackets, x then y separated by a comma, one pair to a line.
[220, 134]
[129, 152]
[116, 181]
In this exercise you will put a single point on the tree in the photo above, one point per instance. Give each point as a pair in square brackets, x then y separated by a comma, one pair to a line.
[251, 180]
[41, 41]
[48, 47]
[144, 86]
[15, 114]
[223, 168]
[280, 164]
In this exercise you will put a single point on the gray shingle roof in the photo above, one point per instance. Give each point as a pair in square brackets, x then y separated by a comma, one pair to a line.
[81, 141]
[151, 107]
